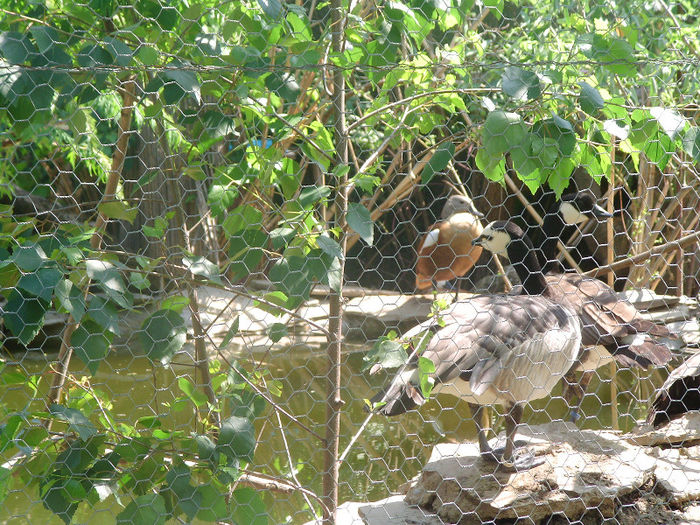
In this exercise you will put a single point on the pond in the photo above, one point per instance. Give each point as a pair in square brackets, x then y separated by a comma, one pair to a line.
[388, 453]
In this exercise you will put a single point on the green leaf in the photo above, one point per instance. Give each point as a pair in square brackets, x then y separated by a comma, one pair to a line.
[77, 422]
[560, 131]
[162, 335]
[615, 54]
[40, 283]
[309, 196]
[493, 168]
[29, 257]
[118, 210]
[212, 506]
[5, 479]
[91, 343]
[16, 47]
[283, 84]
[202, 267]
[272, 8]
[294, 276]
[329, 246]
[230, 333]
[248, 507]
[560, 177]
[184, 79]
[206, 449]
[8, 431]
[62, 496]
[107, 277]
[187, 498]
[175, 302]
[104, 314]
[387, 354]
[123, 55]
[444, 153]
[502, 132]
[590, 100]
[360, 221]
[276, 332]
[237, 439]
[520, 84]
[45, 37]
[148, 509]
[24, 316]
[196, 396]
[241, 218]
[425, 370]
[691, 143]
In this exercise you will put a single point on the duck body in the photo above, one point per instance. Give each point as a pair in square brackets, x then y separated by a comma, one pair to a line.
[446, 251]
[500, 349]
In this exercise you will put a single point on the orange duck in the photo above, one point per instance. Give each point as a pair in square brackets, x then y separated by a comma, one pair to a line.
[446, 251]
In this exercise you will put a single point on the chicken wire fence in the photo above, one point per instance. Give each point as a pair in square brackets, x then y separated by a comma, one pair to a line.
[231, 246]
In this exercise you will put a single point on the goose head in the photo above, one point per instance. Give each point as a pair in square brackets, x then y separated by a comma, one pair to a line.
[577, 208]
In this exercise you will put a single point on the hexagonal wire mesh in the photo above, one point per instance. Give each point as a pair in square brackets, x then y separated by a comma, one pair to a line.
[237, 285]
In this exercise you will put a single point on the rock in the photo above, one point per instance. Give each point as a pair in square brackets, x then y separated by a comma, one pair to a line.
[395, 510]
[684, 429]
[678, 473]
[690, 516]
[583, 470]
[390, 511]
[645, 299]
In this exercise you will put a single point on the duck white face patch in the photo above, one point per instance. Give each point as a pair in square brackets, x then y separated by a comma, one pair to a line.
[571, 214]
[495, 241]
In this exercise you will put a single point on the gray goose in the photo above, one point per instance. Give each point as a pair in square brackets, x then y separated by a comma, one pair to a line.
[493, 349]
[611, 326]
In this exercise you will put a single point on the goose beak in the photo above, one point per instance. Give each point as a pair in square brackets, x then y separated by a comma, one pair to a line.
[601, 213]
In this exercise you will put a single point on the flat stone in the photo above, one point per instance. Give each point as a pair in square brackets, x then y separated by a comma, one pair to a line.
[645, 299]
[582, 470]
[689, 330]
[390, 511]
[677, 472]
[690, 516]
[373, 315]
[684, 429]
[396, 511]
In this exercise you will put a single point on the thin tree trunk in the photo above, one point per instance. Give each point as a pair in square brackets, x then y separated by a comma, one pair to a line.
[333, 400]
[127, 90]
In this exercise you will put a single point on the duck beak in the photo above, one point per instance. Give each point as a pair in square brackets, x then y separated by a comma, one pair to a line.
[477, 213]
[601, 213]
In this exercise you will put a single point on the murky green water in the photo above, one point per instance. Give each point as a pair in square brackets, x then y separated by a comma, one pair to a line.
[388, 453]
